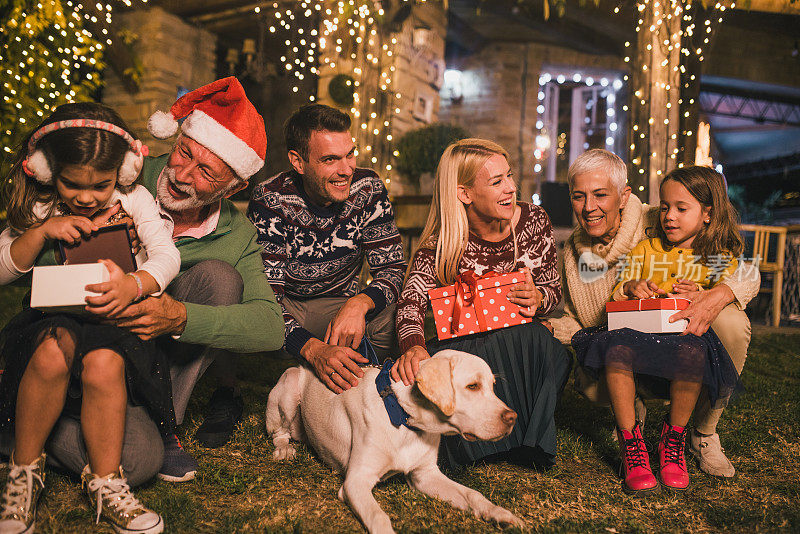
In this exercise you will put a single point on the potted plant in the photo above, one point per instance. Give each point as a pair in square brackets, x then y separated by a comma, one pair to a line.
[420, 150]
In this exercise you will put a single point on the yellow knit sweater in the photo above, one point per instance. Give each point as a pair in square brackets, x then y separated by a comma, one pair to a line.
[650, 260]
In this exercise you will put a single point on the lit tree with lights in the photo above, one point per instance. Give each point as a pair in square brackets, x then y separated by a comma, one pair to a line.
[355, 40]
[52, 52]
[350, 46]
[672, 38]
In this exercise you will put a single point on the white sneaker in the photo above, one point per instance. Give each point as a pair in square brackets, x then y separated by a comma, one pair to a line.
[116, 504]
[710, 455]
[20, 496]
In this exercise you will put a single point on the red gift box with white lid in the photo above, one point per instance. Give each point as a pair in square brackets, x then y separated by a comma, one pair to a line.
[476, 304]
[647, 315]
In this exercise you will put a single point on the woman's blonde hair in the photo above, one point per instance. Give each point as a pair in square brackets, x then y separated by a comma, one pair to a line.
[447, 227]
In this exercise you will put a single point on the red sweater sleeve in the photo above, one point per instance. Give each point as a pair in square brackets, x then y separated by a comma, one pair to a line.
[414, 300]
[543, 245]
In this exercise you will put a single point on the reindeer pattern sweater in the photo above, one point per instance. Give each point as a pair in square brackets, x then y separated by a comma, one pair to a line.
[312, 251]
[536, 250]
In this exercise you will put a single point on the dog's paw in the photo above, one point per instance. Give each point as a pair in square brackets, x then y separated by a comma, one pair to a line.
[286, 452]
[502, 516]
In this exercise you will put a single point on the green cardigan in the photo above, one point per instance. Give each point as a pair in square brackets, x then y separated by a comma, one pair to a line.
[256, 324]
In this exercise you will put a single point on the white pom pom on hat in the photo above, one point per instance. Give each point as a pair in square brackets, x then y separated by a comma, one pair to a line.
[221, 118]
[37, 164]
[162, 125]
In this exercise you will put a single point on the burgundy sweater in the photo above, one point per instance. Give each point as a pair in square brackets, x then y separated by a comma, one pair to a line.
[536, 250]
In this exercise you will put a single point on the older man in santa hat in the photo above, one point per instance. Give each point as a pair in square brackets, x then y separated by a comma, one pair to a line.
[220, 303]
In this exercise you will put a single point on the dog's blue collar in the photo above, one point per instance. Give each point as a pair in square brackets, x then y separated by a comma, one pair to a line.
[397, 415]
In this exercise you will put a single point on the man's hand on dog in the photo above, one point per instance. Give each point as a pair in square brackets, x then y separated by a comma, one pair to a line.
[337, 367]
[348, 326]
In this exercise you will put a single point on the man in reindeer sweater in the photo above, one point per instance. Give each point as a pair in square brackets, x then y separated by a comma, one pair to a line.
[316, 223]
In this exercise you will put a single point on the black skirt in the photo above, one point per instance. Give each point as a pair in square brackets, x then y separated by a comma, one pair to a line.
[531, 368]
[146, 370]
[657, 359]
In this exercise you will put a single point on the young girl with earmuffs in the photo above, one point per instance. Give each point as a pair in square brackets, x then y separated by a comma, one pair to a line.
[77, 371]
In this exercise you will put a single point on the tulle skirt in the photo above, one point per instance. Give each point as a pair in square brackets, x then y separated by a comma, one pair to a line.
[531, 368]
[146, 370]
[657, 359]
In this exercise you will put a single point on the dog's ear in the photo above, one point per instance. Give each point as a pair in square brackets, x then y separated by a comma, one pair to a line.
[435, 382]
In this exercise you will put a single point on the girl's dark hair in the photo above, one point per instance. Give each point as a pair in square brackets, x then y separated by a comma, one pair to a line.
[312, 118]
[99, 149]
[721, 235]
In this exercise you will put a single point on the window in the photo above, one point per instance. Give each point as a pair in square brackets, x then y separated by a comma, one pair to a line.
[576, 113]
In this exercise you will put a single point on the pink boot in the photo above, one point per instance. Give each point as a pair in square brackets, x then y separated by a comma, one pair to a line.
[671, 457]
[637, 475]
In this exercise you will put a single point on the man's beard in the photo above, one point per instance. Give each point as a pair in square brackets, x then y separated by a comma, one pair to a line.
[192, 201]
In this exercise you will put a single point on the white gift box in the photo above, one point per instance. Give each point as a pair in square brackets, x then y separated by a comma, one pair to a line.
[62, 288]
[647, 315]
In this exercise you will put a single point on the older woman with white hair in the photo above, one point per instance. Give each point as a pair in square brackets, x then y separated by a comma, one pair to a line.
[477, 224]
[611, 221]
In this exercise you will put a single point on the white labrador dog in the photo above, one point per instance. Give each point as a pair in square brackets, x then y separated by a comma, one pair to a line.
[352, 432]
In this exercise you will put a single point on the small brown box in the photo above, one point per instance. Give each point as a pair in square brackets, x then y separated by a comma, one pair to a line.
[108, 243]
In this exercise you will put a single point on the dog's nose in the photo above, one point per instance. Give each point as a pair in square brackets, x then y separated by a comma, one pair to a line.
[509, 417]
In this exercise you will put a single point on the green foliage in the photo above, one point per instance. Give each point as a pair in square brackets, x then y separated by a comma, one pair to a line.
[47, 58]
[341, 88]
[420, 150]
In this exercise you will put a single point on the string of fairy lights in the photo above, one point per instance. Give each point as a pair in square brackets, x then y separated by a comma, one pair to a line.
[324, 38]
[603, 104]
[301, 42]
[352, 43]
[52, 53]
[682, 31]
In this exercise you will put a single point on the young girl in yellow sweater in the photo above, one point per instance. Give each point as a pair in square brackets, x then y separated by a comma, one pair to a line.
[696, 248]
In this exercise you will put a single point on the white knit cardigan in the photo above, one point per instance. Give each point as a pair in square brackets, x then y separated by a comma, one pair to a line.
[584, 303]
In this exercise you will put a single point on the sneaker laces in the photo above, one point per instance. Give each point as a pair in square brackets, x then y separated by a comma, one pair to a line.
[172, 441]
[117, 491]
[674, 443]
[18, 493]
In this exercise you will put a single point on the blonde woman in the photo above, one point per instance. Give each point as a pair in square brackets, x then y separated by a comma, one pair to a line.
[476, 223]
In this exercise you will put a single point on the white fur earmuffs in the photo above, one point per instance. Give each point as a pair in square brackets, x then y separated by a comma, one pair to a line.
[36, 165]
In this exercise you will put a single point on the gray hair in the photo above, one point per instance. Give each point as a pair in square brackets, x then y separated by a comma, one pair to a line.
[599, 159]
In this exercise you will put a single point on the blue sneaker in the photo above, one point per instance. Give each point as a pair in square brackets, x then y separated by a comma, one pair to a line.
[179, 465]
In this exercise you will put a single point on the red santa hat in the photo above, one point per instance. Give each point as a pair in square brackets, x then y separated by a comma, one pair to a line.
[221, 118]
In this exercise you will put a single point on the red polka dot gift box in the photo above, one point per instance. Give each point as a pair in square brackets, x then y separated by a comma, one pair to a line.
[476, 304]
[647, 315]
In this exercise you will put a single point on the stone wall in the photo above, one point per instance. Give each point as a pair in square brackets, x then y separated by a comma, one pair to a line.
[419, 69]
[500, 84]
[174, 55]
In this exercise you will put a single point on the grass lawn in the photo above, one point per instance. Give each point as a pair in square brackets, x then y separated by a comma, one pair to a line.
[240, 488]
